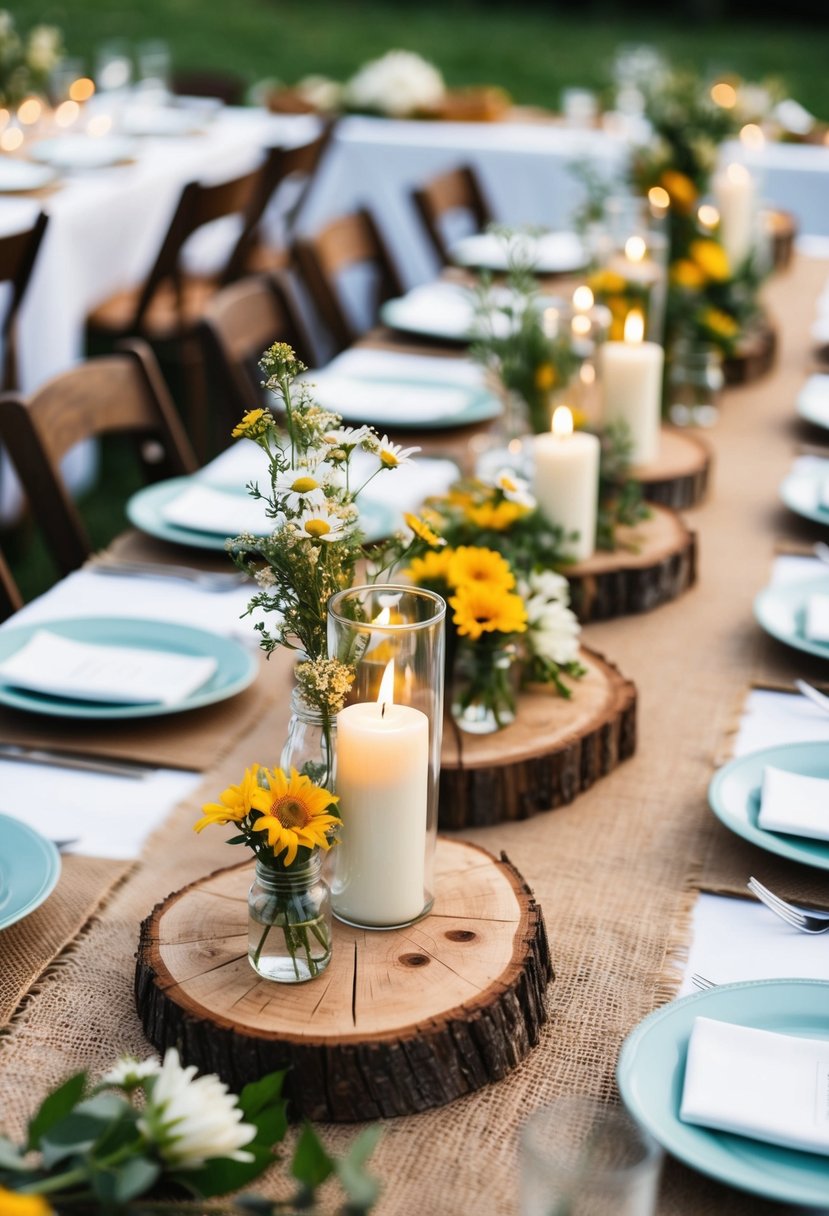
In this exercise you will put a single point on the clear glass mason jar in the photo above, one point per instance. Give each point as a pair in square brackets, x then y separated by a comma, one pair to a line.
[695, 380]
[289, 922]
[484, 686]
[310, 745]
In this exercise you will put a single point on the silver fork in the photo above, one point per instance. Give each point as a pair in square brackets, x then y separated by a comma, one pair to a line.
[699, 981]
[806, 920]
[208, 580]
[817, 698]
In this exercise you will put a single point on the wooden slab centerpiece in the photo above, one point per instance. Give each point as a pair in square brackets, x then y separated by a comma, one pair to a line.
[400, 1021]
[678, 477]
[555, 749]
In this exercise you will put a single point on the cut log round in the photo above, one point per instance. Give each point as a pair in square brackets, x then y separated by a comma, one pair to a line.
[754, 356]
[654, 562]
[782, 228]
[678, 477]
[399, 1022]
[555, 749]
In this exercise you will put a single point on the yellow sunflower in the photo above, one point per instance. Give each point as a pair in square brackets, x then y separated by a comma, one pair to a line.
[711, 258]
[480, 608]
[545, 377]
[495, 517]
[432, 567]
[234, 802]
[720, 323]
[469, 564]
[255, 422]
[423, 532]
[607, 283]
[294, 813]
[687, 274]
[12, 1203]
[683, 193]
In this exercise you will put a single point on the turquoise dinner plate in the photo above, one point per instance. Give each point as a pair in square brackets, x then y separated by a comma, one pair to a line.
[734, 797]
[236, 667]
[800, 494]
[651, 1070]
[144, 510]
[781, 610]
[480, 406]
[29, 870]
[813, 401]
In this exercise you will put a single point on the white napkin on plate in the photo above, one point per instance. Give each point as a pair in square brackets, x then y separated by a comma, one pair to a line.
[364, 362]
[794, 803]
[758, 1083]
[389, 401]
[817, 618]
[445, 309]
[550, 252]
[201, 508]
[84, 671]
[813, 398]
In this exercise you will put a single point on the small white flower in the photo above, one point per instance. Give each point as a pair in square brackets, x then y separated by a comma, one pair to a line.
[318, 523]
[301, 487]
[128, 1073]
[193, 1119]
[554, 632]
[321, 92]
[548, 585]
[398, 84]
[347, 437]
[392, 455]
[514, 488]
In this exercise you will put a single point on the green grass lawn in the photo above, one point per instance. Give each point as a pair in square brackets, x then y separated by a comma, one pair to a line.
[529, 49]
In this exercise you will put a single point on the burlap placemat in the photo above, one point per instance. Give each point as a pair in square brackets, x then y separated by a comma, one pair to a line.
[616, 872]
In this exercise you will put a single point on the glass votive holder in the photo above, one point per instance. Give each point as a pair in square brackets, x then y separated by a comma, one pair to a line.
[581, 1156]
[580, 108]
[388, 752]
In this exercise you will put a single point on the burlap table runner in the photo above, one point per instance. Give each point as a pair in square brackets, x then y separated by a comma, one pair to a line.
[616, 872]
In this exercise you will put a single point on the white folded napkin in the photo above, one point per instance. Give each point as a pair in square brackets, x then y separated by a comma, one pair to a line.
[813, 398]
[365, 362]
[201, 508]
[551, 252]
[389, 402]
[84, 671]
[757, 1083]
[816, 627]
[794, 803]
[445, 309]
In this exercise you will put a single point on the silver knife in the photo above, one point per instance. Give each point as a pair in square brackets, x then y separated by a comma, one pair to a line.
[83, 764]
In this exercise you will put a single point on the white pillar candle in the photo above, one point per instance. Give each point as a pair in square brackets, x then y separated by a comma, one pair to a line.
[735, 196]
[632, 388]
[382, 782]
[566, 482]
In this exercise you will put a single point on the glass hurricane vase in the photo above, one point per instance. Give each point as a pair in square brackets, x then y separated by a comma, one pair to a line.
[694, 381]
[289, 922]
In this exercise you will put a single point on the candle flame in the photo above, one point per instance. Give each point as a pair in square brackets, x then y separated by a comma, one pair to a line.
[751, 136]
[29, 111]
[659, 197]
[737, 173]
[724, 94]
[580, 325]
[386, 694]
[81, 89]
[383, 617]
[634, 326]
[708, 216]
[635, 248]
[583, 298]
[562, 422]
[66, 113]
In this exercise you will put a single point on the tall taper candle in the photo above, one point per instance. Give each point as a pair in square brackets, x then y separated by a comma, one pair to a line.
[566, 482]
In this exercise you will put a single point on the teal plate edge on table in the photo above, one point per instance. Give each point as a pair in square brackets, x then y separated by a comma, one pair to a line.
[780, 609]
[734, 797]
[481, 405]
[799, 491]
[236, 667]
[651, 1070]
[145, 506]
[34, 875]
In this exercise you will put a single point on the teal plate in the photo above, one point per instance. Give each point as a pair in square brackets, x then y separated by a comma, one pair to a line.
[651, 1071]
[813, 405]
[781, 610]
[734, 797]
[800, 494]
[144, 511]
[29, 870]
[480, 406]
[236, 667]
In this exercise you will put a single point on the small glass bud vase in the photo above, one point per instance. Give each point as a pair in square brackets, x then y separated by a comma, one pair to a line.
[695, 380]
[485, 686]
[310, 746]
[289, 922]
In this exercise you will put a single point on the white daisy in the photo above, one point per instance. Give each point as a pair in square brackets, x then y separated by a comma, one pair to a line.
[392, 455]
[129, 1073]
[514, 488]
[317, 523]
[301, 487]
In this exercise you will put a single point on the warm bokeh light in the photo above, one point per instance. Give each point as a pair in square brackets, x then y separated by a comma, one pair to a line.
[751, 136]
[81, 89]
[737, 173]
[587, 373]
[634, 326]
[4, 119]
[11, 139]
[67, 113]
[724, 94]
[386, 694]
[562, 422]
[580, 325]
[708, 215]
[29, 111]
[658, 197]
[635, 248]
[100, 125]
[583, 298]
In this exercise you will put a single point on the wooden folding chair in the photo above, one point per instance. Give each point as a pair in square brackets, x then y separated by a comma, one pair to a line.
[346, 243]
[297, 167]
[125, 393]
[459, 190]
[166, 309]
[10, 598]
[18, 252]
[238, 325]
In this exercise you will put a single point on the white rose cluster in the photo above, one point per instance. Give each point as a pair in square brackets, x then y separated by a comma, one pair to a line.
[399, 84]
[553, 627]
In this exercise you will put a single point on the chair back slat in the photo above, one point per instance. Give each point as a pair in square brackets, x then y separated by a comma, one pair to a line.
[457, 190]
[18, 252]
[10, 597]
[115, 393]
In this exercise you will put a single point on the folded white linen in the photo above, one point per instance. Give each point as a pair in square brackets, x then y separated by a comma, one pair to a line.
[794, 803]
[447, 310]
[550, 252]
[85, 671]
[202, 508]
[398, 364]
[390, 402]
[817, 618]
[758, 1083]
